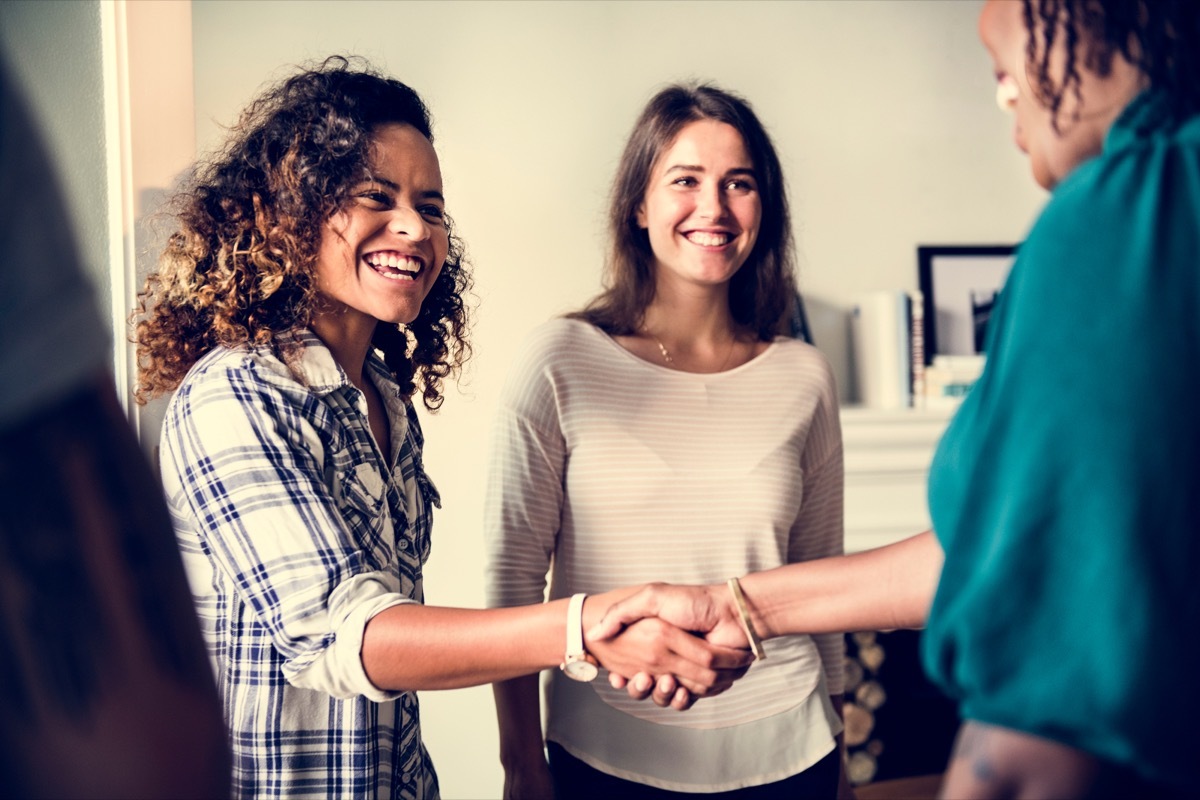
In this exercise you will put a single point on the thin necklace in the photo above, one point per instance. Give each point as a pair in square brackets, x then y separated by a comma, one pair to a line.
[662, 348]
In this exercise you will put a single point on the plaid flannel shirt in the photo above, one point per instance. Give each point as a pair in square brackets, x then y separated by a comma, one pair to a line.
[295, 532]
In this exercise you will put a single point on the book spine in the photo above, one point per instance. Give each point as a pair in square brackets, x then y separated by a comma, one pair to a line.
[916, 340]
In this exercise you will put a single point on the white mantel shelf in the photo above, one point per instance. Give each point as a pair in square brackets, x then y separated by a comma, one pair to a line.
[887, 455]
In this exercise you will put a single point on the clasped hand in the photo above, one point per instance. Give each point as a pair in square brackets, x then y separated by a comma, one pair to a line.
[692, 633]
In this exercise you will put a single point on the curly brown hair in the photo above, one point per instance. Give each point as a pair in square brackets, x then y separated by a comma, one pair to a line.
[239, 269]
[762, 291]
[1161, 38]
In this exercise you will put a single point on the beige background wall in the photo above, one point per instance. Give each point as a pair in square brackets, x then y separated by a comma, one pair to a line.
[881, 109]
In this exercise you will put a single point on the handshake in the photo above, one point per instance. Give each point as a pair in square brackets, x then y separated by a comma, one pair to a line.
[676, 644]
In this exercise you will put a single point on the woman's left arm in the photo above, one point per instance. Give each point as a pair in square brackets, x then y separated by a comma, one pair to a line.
[819, 532]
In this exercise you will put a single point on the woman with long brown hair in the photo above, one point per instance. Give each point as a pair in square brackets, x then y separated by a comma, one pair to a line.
[671, 430]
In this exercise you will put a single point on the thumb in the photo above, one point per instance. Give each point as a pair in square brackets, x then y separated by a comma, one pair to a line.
[622, 613]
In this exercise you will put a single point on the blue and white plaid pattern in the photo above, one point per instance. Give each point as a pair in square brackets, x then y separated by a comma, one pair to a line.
[290, 522]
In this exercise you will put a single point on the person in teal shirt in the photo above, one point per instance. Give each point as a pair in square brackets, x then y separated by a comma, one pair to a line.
[1061, 590]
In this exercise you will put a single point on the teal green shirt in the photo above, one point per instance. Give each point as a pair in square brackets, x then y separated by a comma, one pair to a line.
[1066, 491]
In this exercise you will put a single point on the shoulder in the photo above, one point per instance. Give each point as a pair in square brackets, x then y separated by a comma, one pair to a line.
[561, 336]
[223, 366]
[1129, 188]
[231, 381]
[556, 344]
[799, 358]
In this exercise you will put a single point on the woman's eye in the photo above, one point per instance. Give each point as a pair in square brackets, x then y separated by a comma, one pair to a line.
[740, 186]
[433, 212]
[686, 180]
[377, 197]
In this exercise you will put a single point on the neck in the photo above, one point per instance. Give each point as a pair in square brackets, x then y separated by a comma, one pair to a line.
[691, 317]
[348, 337]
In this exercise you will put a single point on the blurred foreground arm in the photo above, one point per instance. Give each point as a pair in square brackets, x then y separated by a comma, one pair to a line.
[105, 687]
[994, 762]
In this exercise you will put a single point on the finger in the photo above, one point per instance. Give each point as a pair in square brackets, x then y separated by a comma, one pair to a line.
[617, 681]
[664, 690]
[637, 606]
[639, 686]
[720, 682]
[683, 699]
[730, 658]
[703, 653]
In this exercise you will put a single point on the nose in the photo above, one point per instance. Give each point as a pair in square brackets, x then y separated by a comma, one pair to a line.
[408, 222]
[711, 201]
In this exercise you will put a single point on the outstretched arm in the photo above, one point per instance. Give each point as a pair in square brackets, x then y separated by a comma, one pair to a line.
[413, 647]
[882, 589]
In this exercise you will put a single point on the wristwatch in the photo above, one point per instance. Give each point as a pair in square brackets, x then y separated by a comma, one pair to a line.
[577, 664]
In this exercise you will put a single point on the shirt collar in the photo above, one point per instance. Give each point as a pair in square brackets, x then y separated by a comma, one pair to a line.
[316, 364]
[322, 374]
[1148, 113]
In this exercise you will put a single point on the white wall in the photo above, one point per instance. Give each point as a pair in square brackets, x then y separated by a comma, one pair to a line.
[55, 48]
[882, 112]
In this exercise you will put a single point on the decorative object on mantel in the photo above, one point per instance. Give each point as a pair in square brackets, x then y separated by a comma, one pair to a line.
[887, 339]
[960, 284]
[948, 379]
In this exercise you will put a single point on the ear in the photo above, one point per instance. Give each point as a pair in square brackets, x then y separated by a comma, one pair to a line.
[640, 216]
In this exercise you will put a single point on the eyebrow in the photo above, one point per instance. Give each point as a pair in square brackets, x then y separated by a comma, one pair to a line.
[697, 168]
[428, 194]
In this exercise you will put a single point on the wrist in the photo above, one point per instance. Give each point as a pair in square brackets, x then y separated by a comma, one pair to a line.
[756, 606]
[742, 609]
[527, 753]
[577, 663]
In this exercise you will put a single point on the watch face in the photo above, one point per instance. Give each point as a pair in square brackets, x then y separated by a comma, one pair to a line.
[581, 670]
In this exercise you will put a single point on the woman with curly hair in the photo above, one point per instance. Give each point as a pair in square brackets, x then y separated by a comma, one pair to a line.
[314, 286]
[1064, 492]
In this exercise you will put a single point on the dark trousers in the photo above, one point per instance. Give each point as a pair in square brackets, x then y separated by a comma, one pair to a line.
[575, 780]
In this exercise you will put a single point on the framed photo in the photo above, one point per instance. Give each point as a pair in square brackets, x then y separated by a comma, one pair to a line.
[959, 284]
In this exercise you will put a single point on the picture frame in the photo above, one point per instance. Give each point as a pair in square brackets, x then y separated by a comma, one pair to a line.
[959, 284]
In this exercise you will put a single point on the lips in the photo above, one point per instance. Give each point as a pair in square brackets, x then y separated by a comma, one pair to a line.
[394, 265]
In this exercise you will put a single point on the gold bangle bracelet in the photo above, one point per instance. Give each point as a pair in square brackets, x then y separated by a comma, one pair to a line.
[739, 600]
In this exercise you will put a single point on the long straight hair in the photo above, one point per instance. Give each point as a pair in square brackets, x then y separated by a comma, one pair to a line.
[762, 291]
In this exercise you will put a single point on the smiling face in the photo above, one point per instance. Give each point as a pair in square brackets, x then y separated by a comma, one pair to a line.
[380, 255]
[702, 209]
[1083, 122]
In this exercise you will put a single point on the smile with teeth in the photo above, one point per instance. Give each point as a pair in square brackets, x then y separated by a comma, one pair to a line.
[394, 266]
[707, 238]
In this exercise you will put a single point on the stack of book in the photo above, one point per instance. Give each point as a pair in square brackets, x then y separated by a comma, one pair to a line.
[888, 341]
[948, 379]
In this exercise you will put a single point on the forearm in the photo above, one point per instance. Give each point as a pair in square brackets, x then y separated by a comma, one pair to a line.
[518, 712]
[412, 647]
[882, 589]
[415, 647]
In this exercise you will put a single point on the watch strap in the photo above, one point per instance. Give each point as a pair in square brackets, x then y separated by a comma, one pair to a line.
[575, 626]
